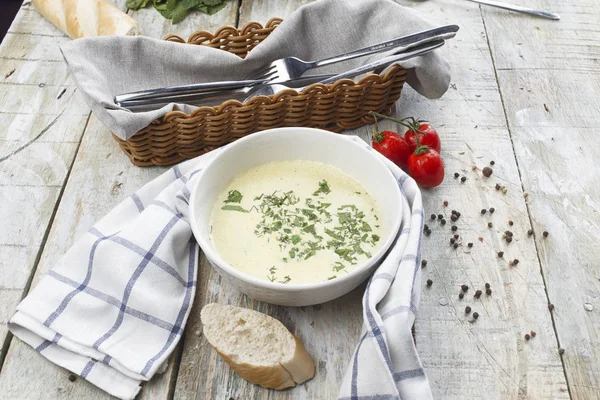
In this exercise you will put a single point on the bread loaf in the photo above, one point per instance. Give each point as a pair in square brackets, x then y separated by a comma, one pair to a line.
[258, 347]
[80, 18]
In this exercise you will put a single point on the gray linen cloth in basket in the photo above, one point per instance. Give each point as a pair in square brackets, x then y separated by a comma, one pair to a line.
[106, 66]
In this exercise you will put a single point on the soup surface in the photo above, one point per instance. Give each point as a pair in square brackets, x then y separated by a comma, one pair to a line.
[295, 222]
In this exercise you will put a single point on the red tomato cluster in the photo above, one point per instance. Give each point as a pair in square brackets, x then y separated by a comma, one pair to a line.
[417, 152]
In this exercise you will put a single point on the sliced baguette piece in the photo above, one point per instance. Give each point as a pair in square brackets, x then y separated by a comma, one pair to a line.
[256, 346]
[81, 18]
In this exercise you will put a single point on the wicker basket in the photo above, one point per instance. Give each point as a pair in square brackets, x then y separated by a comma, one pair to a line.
[342, 105]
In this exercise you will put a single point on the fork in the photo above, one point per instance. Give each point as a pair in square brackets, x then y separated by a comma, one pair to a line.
[292, 67]
[289, 68]
[270, 89]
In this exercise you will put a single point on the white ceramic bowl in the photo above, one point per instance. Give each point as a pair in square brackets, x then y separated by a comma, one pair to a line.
[295, 144]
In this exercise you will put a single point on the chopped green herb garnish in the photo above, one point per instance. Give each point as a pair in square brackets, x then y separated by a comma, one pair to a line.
[338, 266]
[296, 225]
[323, 188]
[234, 208]
[234, 197]
[331, 277]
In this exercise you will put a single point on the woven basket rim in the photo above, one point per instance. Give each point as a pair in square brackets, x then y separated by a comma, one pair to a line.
[229, 105]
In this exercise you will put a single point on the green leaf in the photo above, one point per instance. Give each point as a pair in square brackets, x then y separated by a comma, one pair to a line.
[136, 4]
[179, 13]
[310, 229]
[213, 9]
[334, 235]
[295, 239]
[189, 4]
[323, 188]
[234, 208]
[234, 197]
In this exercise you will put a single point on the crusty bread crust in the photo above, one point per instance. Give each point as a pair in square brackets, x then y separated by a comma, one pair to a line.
[80, 18]
[285, 374]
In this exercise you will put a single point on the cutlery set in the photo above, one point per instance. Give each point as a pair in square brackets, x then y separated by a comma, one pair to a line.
[286, 73]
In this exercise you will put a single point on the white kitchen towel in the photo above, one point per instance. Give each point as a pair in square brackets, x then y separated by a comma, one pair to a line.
[115, 306]
[103, 67]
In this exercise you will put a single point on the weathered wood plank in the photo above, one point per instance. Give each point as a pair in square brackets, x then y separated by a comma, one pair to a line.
[519, 41]
[553, 112]
[106, 177]
[488, 358]
[41, 123]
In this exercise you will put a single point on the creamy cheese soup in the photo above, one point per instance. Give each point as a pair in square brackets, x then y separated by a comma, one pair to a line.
[295, 222]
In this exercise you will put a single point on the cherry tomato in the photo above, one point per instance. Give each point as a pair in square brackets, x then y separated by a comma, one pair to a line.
[393, 146]
[428, 137]
[426, 167]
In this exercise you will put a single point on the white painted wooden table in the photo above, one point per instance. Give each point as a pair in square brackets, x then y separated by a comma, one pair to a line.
[525, 93]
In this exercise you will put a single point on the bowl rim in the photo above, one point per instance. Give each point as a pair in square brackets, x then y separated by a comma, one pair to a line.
[213, 256]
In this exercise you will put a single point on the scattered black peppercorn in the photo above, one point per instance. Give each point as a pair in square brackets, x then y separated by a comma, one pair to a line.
[425, 227]
[445, 203]
[483, 211]
[72, 378]
[461, 295]
[443, 221]
[490, 225]
[456, 175]
[477, 294]
[432, 217]
[429, 282]
[453, 218]
[527, 337]
[454, 228]
[498, 186]
[453, 212]
[440, 216]
[533, 333]
[470, 244]
[464, 288]
[487, 172]
[463, 179]
[509, 233]
[530, 232]
[488, 291]
[455, 245]
[500, 254]
[515, 261]
[452, 240]
[510, 222]
[508, 239]
[423, 263]
[550, 306]
[467, 310]
[475, 315]
[457, 214]
[487, 285]
[492, 162]
[456, 236]
[561, 351]
[492, 209]
[428, 232]
[545, 233]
